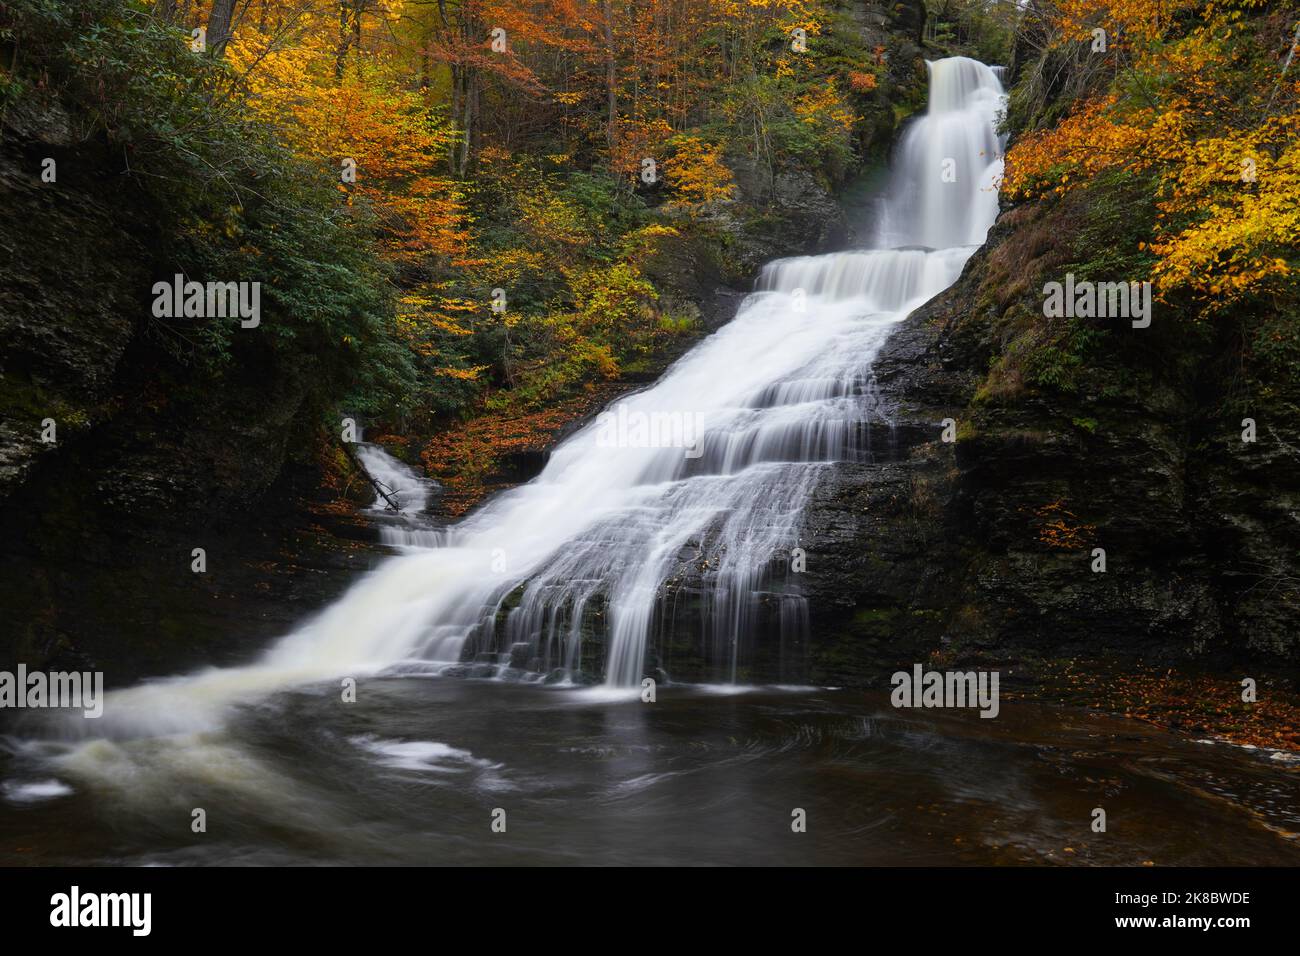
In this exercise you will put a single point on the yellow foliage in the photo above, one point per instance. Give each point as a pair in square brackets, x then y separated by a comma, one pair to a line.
[696, 173]
[1197, 107]
[862, 82]
[377, 136]
[824, 107]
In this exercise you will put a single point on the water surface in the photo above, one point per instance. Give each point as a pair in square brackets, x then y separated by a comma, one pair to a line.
[412, 771]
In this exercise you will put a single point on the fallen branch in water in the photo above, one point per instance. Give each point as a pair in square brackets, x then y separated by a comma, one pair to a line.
[374, 483]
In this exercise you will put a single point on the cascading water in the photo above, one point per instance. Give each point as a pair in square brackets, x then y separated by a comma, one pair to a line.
[399, 485]
[770, 399]
[944, 193]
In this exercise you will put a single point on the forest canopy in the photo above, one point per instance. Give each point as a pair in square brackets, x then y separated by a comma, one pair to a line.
[1200, 104]
[448, 200]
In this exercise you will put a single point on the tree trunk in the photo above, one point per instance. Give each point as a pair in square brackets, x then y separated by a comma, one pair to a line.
[223, 12]
[345, 39]
[457, 93]
[356, 25]
[471, 110]
[350, 14]
[611, 75]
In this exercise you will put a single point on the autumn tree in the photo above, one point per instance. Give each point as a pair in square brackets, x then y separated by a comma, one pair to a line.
[1203, 102]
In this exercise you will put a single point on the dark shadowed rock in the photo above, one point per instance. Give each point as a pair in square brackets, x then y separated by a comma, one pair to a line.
[986, 545]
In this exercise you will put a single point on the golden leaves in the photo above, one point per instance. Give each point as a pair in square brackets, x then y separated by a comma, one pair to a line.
[696, 172]
[368, 119]
[1220, 140]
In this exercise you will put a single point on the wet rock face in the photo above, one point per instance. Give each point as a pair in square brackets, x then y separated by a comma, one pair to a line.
[66, 304]
[784, 212]
[77, 348]
[987, 544]
[1246, 501]
[908, 17]
[85, 585]
[145, 466]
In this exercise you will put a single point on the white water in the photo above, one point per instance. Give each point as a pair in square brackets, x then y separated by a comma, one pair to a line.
[399, 482]
[407, 489]
[782, 391]
[945, 194]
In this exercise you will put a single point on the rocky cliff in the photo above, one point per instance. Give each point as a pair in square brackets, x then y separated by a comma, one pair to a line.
[146, 460]
[1069, 442]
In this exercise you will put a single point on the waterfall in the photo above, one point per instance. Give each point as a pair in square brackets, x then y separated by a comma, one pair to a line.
[944, 189]
[408, 490]
[405, 488]
[706, 472]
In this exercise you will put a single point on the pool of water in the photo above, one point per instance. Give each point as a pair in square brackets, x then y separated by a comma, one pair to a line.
[417, 770]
